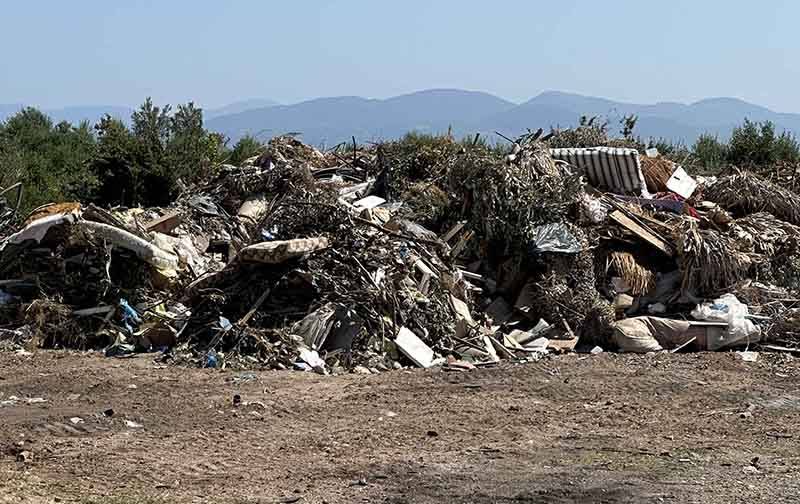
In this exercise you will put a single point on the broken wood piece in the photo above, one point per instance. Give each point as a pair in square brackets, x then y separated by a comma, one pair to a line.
[487, 342]
[425, 269]
[165, 224]
[510, 342]
[681, 347]
[424, 284]
[247, 316]
[458, 365]
[461, 244]
[646, 235]
[462, 311]
[471, 276]
[369, 202]
[453, 231]
[562, 345]
[97, 310]
[500, 348]
[777, 348]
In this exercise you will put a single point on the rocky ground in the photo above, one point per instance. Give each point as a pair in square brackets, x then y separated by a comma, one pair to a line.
[607, 428]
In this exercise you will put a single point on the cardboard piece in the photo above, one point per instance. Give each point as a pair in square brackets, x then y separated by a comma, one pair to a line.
[681, 183]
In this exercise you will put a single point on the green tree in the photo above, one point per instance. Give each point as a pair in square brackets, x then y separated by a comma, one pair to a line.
[117, 165]
[710, 152]
[786, 148]
[151, 127]
[628, 124]
[51, 161]
[245, 148]
[756, 144]
[186, 145]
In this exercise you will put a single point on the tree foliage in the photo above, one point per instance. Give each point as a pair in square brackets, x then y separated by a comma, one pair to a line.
[756, 144]
[51, 161]
[709, 152]
[247, 147]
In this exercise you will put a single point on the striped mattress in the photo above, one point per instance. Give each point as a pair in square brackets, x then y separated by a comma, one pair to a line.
[612, 169]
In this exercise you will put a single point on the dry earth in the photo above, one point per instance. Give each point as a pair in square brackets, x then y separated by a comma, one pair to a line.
[608, 428]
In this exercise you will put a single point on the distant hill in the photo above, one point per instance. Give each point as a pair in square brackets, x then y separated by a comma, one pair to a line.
[329, 121]
[240, 106]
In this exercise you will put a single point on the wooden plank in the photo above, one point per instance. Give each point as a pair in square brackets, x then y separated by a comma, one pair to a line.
[165, 224]
[628, 223]
[453, 231]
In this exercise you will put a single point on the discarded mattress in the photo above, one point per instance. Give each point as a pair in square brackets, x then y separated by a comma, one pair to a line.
[276, 252]
[616, 170]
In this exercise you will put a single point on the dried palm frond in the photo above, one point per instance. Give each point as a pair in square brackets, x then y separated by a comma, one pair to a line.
[762, 233]
[657, 172]
[744, 193]
[53, 325]
[640, 279]
[709, 261]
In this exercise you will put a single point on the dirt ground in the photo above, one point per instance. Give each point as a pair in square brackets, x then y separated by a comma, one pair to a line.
[608, 428]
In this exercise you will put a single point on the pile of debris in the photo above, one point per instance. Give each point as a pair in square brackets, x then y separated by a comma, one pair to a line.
[434, 252]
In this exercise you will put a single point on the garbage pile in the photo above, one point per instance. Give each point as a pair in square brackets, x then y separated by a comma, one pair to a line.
[403, 254]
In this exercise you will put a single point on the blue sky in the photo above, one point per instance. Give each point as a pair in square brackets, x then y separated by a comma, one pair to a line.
[58, 53]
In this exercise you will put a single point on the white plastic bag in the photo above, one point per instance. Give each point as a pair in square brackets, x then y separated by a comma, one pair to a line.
[733, 312]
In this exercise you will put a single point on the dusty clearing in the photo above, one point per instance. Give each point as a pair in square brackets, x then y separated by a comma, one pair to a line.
[607, 428]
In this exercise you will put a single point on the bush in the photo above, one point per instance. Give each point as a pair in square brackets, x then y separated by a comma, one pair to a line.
[51, 161]
[244, 149]
[709, 152]
[755, 144]
[142, 165]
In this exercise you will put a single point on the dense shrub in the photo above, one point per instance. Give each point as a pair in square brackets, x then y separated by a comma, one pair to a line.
[756, 145]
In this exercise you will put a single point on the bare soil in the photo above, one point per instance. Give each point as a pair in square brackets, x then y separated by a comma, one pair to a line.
[608, 428]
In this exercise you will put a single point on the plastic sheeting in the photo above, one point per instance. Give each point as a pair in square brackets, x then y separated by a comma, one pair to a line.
[730, 310]
[555, 238]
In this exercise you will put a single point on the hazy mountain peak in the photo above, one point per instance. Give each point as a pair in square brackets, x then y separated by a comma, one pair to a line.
[239, 106]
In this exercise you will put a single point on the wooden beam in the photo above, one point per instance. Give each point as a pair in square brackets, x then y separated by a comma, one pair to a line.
[646, 235]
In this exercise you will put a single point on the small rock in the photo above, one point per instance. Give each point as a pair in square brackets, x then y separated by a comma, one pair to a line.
[361, 370]
[25, 457]
[432, 433]
[747, 356]
[132, 386]
[596, 350]
[133, 425]
[237, 400]
[374, 370]
[76, 420]
[750, 470]
[109, 412]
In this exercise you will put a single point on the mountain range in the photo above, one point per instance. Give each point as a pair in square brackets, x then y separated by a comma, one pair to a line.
[328, 121]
